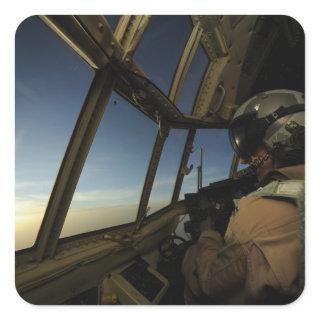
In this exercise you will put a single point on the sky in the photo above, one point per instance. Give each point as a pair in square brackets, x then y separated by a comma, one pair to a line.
[51, 84]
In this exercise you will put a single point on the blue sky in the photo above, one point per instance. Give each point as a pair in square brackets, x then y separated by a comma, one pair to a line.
[161, 47]
[51, 84]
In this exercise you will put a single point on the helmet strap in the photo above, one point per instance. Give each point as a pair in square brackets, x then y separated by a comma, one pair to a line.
[258, 162]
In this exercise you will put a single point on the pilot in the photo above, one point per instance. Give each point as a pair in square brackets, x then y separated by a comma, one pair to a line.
[260, 259]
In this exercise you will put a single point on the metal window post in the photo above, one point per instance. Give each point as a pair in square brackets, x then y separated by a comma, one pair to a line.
[184, 162]
[73, 161]
[151, 172]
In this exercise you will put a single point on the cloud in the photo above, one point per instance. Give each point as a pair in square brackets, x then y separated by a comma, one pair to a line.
[82, 220]
[95, 209]
[26, 230]
[27, 206]
[110, 196]
[27, 184]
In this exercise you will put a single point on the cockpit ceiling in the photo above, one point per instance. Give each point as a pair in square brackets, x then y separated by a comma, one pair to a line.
[225, 40]
[231, 43]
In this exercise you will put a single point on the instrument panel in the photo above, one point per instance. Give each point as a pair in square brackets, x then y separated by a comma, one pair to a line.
[137, 283]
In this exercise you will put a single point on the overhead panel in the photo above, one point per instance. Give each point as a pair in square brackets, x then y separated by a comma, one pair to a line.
[238, 32]
[225, 39]
[274, 58]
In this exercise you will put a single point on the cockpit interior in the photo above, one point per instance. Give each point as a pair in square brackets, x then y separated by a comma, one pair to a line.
[121, 122]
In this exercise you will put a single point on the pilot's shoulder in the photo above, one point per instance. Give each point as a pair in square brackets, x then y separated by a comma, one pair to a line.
[257, 216]
[257, 206]
[271, 206]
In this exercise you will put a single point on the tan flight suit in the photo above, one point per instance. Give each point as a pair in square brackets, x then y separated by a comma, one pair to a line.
[259, 255]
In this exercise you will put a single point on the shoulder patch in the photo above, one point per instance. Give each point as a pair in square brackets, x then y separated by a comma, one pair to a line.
[285, 189]
[289, 188]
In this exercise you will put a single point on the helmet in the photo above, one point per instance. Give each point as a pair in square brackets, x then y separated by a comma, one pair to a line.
[273, 119]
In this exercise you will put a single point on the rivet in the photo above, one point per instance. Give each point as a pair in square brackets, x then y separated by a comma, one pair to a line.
[100, 26]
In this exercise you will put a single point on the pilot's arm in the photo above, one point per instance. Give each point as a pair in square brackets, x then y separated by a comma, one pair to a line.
[214, 269]
[258, 257]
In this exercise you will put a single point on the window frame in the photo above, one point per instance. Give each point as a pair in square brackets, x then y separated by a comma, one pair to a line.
[97, 96]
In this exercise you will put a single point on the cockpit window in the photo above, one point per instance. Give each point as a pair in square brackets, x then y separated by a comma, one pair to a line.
[167, 170]
[161, 47]
[217, 157]
[51, 84]
[193, 80]
[111, 182]
[113, 21]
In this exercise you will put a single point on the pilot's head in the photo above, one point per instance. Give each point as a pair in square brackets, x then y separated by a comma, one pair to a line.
[267, 131]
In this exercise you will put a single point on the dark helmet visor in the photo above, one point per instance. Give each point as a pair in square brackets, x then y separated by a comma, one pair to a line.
[241, 137]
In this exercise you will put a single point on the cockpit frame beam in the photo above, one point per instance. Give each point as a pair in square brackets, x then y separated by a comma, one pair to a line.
[122, 27]
[69, 29]
[183, 164]
[202, 101]
[101, 33]
[72, 163]
[185, 122]
[151, 172]
[129, 32]
[184, 63]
